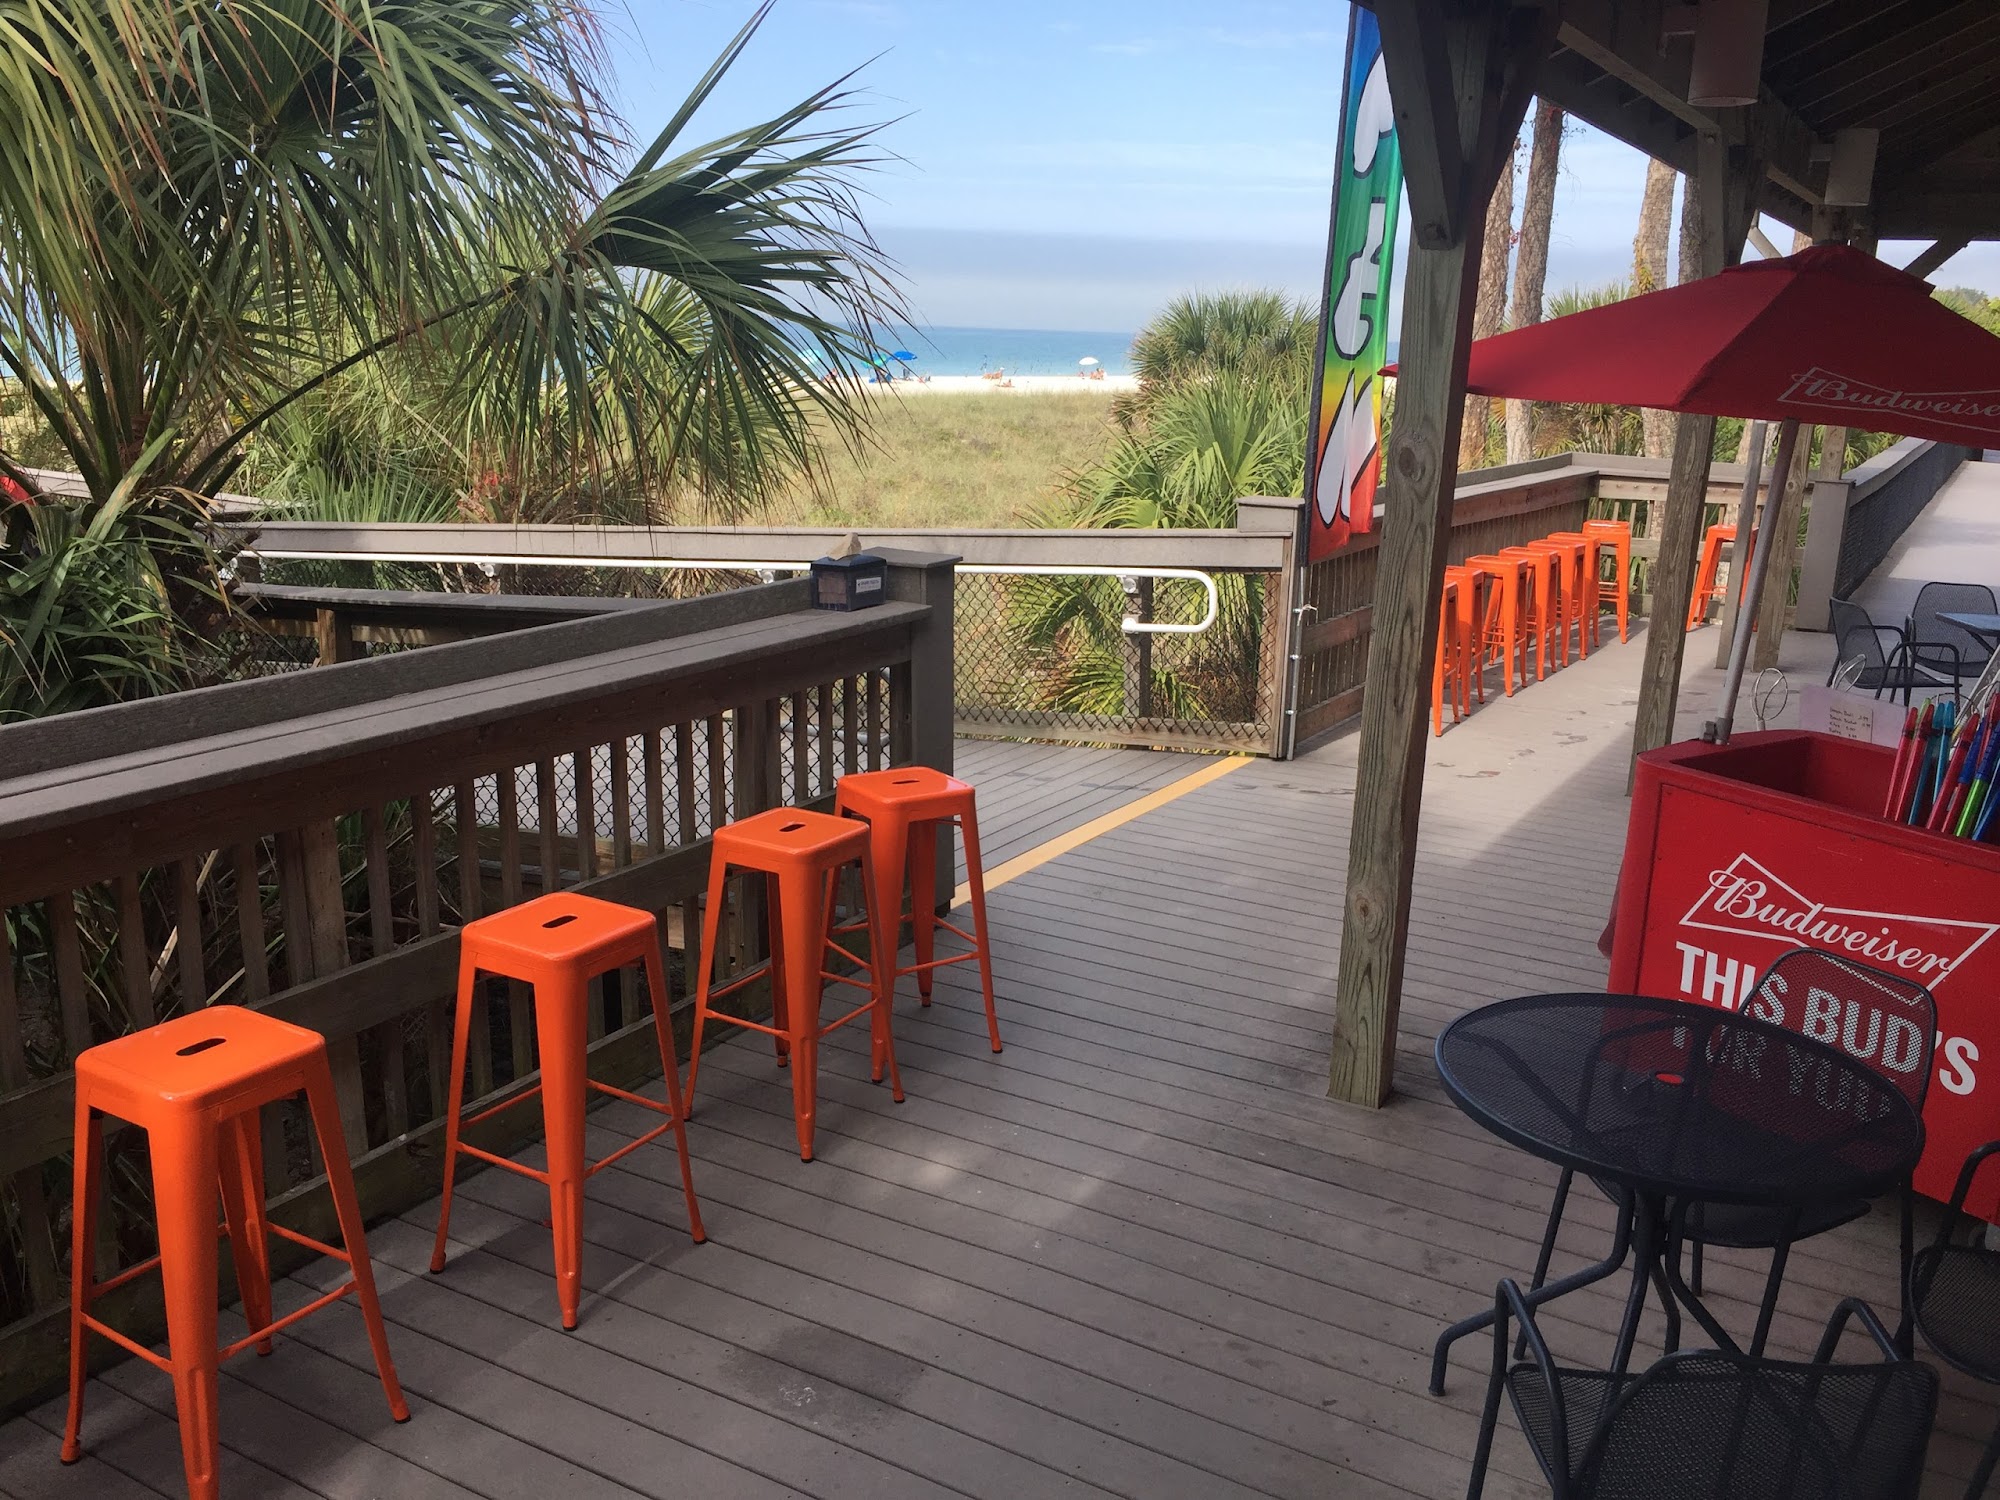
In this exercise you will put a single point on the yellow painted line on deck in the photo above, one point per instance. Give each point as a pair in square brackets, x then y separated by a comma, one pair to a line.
[1097, 827]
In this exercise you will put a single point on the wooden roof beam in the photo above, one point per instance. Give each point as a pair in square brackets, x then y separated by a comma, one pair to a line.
[1939, 251]
[1624, 38]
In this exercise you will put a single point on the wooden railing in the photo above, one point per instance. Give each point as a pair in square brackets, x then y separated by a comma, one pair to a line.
[309, 845]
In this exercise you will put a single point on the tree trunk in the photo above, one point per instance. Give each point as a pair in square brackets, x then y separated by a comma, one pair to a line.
[1531, 266]
[1490, 311]
[1649, 274]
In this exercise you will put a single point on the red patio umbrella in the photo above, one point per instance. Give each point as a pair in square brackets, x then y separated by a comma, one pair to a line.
[1830, 335]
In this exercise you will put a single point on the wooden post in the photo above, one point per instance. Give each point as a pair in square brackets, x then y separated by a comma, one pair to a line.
[334, 634]
[1461, 73]
[1728, 181]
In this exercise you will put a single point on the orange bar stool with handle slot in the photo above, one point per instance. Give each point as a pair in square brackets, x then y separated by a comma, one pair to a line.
[1504, 629]
[800, 854]
[1449, 667]
[1618, 534]
[1469, 587]
[194, 1085]
[1577, 552]
[904, 808]
[1586, 553]
[558, 943]
[1708, 586]
[1550, 608]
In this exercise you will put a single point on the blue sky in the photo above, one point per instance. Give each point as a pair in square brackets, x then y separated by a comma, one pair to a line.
[1074, 165]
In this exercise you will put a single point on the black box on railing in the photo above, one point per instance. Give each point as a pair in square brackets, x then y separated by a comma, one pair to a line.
[855, 582]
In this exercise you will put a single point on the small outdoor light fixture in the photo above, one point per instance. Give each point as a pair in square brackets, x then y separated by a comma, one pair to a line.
[849, 578]
[1728, 49]
[1850, 170]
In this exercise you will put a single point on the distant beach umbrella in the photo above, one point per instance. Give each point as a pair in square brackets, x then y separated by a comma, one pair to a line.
[1088, 360]
[902, 354]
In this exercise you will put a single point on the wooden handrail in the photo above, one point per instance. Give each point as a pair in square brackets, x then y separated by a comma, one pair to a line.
[309, 844]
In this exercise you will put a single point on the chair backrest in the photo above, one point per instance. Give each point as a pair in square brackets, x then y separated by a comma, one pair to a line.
[1935, 599]
[1888, 1021]
[1712, 1426]
[1854, 635]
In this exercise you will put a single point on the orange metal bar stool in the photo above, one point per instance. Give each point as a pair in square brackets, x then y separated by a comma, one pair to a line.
[1577, 553]
[1618, 534]
[1448, 667]
[194, 1085]
[1469, 585]
[1586, 568]
[800, 854]
[1708, 588]
[558, 943]
[905, 807]
[1550, 595]
[1504, 629]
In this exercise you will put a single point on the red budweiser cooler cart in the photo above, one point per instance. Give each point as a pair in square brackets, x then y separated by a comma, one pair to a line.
[1737, 853]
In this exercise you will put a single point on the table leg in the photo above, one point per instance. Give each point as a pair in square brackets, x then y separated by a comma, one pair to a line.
[1684, 1294]
[1621, 1247]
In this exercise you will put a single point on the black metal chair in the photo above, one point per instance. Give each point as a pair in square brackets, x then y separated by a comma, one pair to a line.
[1705, 1425]
[1938, 644]
[1955, 1292]
[1884, 667]
[1804, 990]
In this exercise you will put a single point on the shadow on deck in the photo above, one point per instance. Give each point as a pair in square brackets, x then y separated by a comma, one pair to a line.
[1137, 1254]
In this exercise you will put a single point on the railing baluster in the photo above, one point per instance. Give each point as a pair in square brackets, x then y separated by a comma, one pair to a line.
[823, 708]
[800, 731]
[520, 1018]
[545, 817]
[621, 802]
[423, 823]
[850, 726]
[877, 721]
[394, 1066]
[72, 993]
[187, 928]
[250, 923]
[45, 1282]
[586, 815]
[326, 904]
[479, 1052]
[381, 914]
[656, 813]
[135, 965]
[437, 1016]
[719, 810]
[684, 808]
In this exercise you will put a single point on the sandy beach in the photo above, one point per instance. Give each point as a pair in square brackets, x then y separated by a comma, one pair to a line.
[1010, 385]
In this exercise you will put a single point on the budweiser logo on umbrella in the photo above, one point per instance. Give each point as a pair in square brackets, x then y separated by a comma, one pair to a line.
[1818, 389]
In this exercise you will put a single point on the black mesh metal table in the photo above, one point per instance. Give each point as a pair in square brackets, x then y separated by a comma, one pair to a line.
[1674, 1103]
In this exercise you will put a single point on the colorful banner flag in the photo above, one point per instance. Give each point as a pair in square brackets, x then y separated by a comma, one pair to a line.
[1343, 461]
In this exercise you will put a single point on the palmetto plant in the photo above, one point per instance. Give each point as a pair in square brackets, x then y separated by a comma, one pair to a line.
[213, 210]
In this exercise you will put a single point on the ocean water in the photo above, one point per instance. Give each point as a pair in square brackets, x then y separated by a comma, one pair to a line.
[1018, 351]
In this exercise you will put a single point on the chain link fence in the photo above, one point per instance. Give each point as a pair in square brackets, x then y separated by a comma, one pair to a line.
[1049, 656]
[1040, 654]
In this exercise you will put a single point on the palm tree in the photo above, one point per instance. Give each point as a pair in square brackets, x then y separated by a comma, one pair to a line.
[1489, 305]
[1649, 274]
[211, 213]
[1203, 444]
[1260, 335]
[1531, 266]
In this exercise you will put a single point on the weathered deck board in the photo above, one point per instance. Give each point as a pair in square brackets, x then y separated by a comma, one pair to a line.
[1137, 1254]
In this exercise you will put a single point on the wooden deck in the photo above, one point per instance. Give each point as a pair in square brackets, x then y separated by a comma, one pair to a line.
[1138, 1254]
